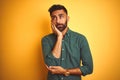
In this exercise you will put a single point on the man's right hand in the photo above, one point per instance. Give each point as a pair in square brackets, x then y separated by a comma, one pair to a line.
[56, 31]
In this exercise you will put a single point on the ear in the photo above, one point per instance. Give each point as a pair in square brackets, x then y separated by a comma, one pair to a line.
[68, 18]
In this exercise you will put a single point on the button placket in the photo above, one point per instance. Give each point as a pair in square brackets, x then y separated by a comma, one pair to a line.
[63, 45]
[63, 52]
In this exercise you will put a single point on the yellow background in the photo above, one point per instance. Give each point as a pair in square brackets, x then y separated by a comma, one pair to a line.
[25, 22]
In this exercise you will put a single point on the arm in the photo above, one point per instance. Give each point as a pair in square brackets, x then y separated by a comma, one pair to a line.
[57, 48]
[47, 52]
[73, 71]
[86, 57]
[51, 53]
[66, 72]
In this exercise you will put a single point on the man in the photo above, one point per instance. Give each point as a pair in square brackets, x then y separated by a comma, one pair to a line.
[64, 49]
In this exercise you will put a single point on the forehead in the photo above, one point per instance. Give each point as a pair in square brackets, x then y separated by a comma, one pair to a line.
[57, 12]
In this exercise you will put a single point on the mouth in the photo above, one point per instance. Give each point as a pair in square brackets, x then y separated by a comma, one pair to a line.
[59, 26]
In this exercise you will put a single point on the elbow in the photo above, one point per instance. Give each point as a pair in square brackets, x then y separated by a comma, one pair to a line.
[90, 70]
[86, 70]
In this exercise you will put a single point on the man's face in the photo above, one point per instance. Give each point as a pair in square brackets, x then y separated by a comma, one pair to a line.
[59, 18]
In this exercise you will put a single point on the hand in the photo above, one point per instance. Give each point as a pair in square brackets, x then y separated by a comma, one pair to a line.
[56, 69]
[56, 31]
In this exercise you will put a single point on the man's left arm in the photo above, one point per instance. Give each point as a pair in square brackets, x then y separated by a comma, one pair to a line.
[86, 57]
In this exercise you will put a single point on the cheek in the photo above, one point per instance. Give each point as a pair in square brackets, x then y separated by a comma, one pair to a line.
[62, 21]
[53, 21]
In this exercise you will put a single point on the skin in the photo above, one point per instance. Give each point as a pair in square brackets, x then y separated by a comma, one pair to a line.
[59, 21]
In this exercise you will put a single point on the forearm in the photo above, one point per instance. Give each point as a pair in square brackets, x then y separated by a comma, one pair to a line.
[73, 71]
[57, 48]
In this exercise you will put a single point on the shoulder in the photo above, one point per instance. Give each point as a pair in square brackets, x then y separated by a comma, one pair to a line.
[79, 38]
[48, 37]
[77, 35]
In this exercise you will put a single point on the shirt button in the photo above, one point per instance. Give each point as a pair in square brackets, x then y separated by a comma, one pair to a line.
[62, 78]
[62, 49]
[62, 59]
[48, 56]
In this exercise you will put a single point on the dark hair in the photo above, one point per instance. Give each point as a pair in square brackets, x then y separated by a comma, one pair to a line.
[57, 7]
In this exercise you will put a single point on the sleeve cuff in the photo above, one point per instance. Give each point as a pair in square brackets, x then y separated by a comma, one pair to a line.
[51, 60]
[83, 70]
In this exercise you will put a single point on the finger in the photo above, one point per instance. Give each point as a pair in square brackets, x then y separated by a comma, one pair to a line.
[52, 70]
[46, 66]
[53, 25]
[53, 67]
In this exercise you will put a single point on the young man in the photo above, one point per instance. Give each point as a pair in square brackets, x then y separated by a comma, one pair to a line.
[64, 49]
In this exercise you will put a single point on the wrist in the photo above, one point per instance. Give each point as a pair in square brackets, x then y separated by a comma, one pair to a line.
[66, 73]
[60, 37]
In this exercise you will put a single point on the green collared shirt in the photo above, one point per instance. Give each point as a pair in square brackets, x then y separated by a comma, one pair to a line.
[75, 50]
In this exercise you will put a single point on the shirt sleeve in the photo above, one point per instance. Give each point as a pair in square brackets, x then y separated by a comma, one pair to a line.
[49, 59]
[86, 57]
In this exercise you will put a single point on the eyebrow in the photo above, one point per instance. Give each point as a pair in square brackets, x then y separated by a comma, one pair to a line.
[61, 14]
[58, 15]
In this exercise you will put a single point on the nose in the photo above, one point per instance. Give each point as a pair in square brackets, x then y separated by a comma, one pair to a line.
[58, 20]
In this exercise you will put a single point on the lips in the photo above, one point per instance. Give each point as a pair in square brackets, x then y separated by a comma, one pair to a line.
[59, 26]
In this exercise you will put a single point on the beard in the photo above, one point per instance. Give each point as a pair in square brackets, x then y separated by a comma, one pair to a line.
[61, 27]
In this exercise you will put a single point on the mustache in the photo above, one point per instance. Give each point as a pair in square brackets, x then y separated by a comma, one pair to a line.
[59, 24]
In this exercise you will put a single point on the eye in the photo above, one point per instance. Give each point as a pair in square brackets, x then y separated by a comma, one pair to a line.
[61, 16]
[53, 17]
